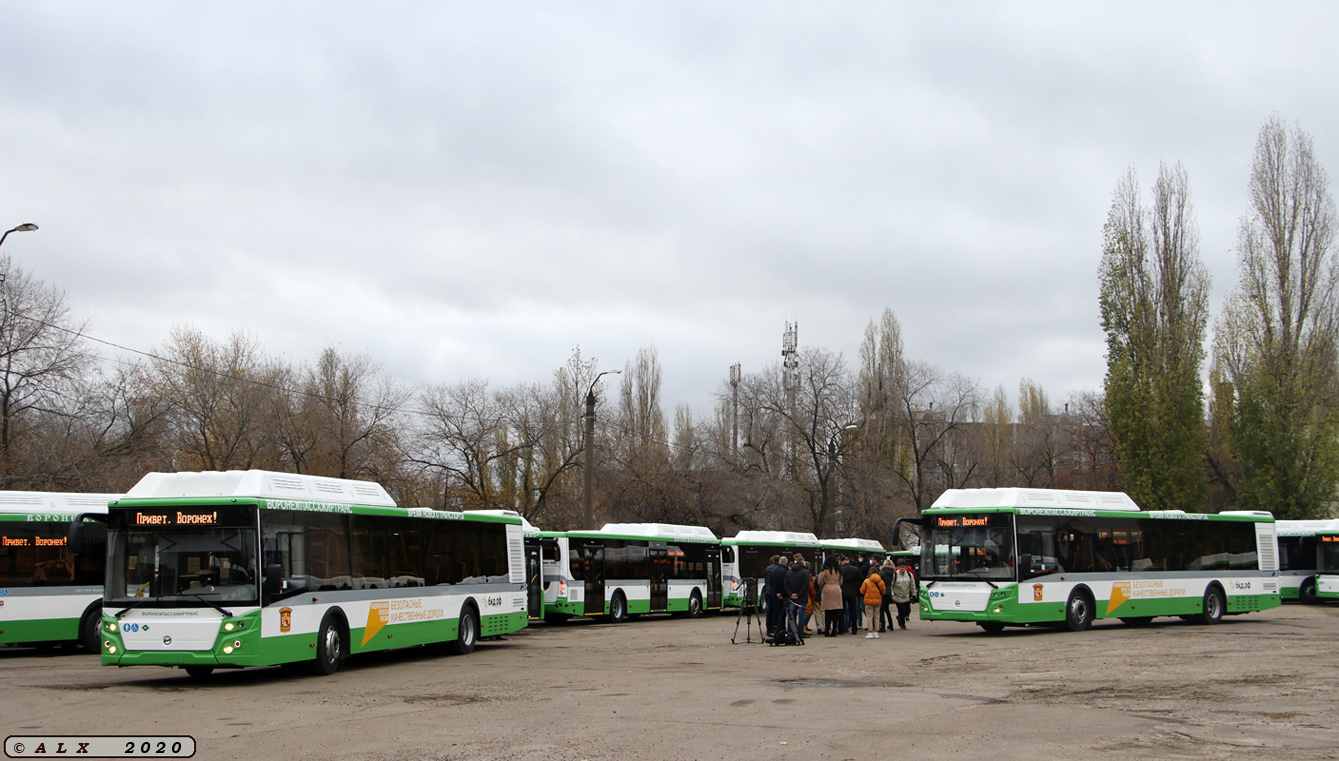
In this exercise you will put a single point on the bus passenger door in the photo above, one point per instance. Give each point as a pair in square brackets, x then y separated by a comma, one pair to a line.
[592, 570]
[534, 581]
[659, 557]
[713, 601]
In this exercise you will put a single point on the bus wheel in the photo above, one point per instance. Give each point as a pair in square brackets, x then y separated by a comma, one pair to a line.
[695, 605]
[329, 646]
[469, 632]
[90, 630]
[1079, 610]
[1306, 594]
[618, 608]
[198, 672]
[991, 627]
[1214, 606]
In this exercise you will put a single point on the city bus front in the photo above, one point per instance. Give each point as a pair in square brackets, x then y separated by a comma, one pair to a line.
[968, 566]
[1327, 571]
[183, 585]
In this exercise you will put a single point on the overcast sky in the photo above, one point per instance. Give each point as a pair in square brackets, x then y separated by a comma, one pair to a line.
[473, 190]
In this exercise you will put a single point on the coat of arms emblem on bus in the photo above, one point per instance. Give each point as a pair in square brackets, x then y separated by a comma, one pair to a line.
[285, 620]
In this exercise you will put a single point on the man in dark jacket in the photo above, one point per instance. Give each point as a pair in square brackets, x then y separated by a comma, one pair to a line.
[774, 588]
[796, 587]
[852, 600]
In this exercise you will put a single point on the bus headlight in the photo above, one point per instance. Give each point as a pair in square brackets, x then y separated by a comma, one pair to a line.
[998, 609]
[110, 626]
[227, 649]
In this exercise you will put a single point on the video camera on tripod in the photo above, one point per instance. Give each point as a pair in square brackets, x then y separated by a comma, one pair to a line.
[746, 610]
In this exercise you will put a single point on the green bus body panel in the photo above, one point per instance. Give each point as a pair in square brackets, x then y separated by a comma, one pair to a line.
[1014, 612]
[290, 648]
[39, 630]
[635, 607]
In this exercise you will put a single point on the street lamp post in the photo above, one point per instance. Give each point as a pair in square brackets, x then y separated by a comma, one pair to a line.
[587, 502]
[26, 227]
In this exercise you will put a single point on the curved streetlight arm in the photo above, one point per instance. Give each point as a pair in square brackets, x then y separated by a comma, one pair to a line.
[26, 227]
[590, 392]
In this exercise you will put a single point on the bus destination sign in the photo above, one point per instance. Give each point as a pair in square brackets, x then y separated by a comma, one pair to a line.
[176, 518]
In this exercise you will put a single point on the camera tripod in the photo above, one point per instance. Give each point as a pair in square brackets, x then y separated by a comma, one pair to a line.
[746, 613]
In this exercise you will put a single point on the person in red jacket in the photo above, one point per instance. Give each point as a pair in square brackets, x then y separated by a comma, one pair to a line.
[873, 589]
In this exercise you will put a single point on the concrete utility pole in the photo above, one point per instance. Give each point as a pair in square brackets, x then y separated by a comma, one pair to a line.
[588, 474]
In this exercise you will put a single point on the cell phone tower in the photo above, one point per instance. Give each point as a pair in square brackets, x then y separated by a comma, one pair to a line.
[736, 375]
[790, 380]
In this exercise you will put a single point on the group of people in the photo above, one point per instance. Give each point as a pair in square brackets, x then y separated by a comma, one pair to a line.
[845, 593]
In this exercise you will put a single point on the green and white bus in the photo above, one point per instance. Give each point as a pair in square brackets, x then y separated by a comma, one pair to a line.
[747, 553]
[1018, 557]
[1304, 557]
[1327, 577]
[849, 548]
[50, 589]
[909, 558]
[253, 568]
[627, 569]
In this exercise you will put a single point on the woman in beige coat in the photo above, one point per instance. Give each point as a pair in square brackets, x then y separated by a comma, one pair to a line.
[829, 584]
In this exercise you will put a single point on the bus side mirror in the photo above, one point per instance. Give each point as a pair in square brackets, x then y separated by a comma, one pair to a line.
[897, 529]
[85, 528]
[274, 580]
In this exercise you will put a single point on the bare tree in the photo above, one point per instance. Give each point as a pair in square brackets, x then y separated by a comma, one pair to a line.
[221, 395]
[335, 420]
[937, 458]
[820, 422]
[42, 353]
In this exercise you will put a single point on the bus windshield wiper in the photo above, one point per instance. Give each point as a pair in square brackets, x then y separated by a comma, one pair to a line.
[211, 604]
[127, 608]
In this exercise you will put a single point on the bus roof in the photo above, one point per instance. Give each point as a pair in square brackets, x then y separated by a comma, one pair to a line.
[866, 545]
[1306, 528]
[1044, 498]
[262, 484]
[527, 528]
[666, 531]
[788, 538]
[74, 503]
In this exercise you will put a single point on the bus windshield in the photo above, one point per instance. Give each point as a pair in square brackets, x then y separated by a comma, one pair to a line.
[1329, 554]
[182, 566]
[969, 548]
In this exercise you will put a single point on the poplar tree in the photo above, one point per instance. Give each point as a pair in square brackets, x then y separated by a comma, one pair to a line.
[1276, 340]
[1154, 299]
